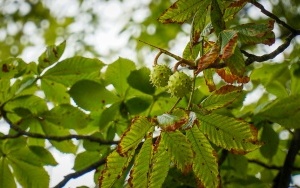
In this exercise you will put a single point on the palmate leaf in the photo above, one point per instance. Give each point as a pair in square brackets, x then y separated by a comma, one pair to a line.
[179, 149]
[221, 97]
[71, 70]
[229, 133]
[183, 10]
[134, 135]
[115, 166]
[139, 172]
[159, 165]
[205, 165]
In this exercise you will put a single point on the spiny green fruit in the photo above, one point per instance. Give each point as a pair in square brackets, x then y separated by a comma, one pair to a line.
[179, 84]
[160, 75]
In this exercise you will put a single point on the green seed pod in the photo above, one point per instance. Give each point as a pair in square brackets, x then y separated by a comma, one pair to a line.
[179, 84]
[160, 75]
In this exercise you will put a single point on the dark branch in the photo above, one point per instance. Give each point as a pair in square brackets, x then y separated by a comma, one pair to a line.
[80, 173]
[271, 15]
[50, 137]
[271, 167]
[252, 58]
[283, 178]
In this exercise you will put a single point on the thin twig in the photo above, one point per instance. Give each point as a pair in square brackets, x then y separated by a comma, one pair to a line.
[80, 173]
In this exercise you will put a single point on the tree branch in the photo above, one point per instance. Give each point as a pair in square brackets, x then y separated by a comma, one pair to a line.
[283, 177]
[80, 173]
[21, 132]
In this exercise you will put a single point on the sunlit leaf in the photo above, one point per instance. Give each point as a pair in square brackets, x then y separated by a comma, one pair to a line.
[159, 165]
[71, 70]
[12, 67]
[182, 10]
[44, 155]
[228, 43]
[205, 165]
[234, 135]
[208, 75]
[209, 58]
[138, 104]
[91, 95]
[233, 8]
[173, 121]
[140, 80]
[139, 173]
[51, 55]
[134, 135]
[179, 148]
[85, 159]
[55, 92]
[6, 176]
[221, 97]
[115, 166]
[284, 111]
[191, 52]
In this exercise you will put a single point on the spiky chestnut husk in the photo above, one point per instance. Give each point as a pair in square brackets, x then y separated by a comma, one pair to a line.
[160, 75]
[179, 84]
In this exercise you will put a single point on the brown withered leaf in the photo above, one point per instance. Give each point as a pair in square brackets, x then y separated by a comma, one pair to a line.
[228, 77]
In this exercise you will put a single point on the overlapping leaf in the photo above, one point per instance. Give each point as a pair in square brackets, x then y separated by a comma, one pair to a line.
[231, 78]
[142, 164]
[236, 63]
[179, 148]
[216, 17]
[228, 43]
[183, 10]
[55, 92]
[233, 8]
[208, 75]
[115, 166]
[6, 176]
[134, 135]
[205, 165]
[221, 97]
[140, 80]
[234, 135]
[173, 121]
[209, 58]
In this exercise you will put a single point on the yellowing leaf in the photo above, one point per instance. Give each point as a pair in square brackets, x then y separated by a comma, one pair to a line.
[208, 75]
[179, 148]
[205, 165]
[228, 43]
[221, 97]
[172, 122]
[115, 166]
[134, 135]
[229, 77]
[216, 17]
[209, 58]
[182, 10]
[234, 135]
[142, 163]
[236, 63]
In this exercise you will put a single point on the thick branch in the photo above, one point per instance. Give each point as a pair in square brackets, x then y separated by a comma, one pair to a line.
[50, 137]
[80, 173]
[283, 178]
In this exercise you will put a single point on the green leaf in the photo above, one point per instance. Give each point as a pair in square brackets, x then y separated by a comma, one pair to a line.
[55, 92]
[51, 55]
[295, 78]
[205, 165]
[160, 165]
[73, 69]
[108, 115]
[239, 165]
[228, 43]
[6, 177]
[199, 22]
[115, 166]
[12, 68]
[182, 10]
[254, 33]
[233, 8]
[142, 164]
[137, 105]
[85, 159]
[140, 80]
[179, 148]
[4, 87]
[44, 155]
[173, 121]
[229, 133]
[134, 135]
[284, 111]
[91, 95]
[216, 17]
[271, 141]
[67, 116]
[27, 174]
[117, 74]
[221, 97]
[208, 75]
[191, 52]
[236, 63]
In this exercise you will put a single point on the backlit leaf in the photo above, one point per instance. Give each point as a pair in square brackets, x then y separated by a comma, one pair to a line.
[6, 177]
[182, 10]
[91, 95]
[51, 55]
[216, 17]
[44, 155]
[85, 159]
[228, 43]
[159, 165]
[221, 97]
[209, 58]
[233, 8]
[142, 164]
[208, 75]
[134, 135]
[12, 68]
[71, 70]
[205, 165]
[179, 148]
[236, 63]
[140, 80]
[55, 92]
[115, 166]
[284, 111]
[234, 135]
[173, 121]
